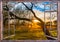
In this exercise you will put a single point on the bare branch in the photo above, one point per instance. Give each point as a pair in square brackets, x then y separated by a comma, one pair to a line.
[44, 28]
[32, 5]
[33, 13]
[26, 6]
[16, 17]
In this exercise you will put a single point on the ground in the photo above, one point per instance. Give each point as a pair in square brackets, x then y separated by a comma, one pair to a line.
[26, 32]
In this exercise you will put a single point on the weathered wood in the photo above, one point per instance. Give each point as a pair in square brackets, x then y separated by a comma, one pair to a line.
[33, 40]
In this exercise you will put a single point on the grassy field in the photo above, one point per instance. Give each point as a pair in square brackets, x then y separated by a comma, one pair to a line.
[26, 32]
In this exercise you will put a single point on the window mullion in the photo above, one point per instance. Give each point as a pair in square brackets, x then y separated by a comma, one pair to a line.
[8, 24]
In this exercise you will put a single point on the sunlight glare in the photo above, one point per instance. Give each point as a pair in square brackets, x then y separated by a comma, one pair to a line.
[35, 21]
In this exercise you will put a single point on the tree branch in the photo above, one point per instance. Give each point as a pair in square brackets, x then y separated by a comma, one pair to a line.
[32, 5]
[17, 18]
[44, 28]
[33, 13]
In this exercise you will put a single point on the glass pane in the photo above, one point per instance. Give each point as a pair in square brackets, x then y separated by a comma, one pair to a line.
[5, 24]
[47, 7]
[54, 7]
[54, 24]
[48, 20]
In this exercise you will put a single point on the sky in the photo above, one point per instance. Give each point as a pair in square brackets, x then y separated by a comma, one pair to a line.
[39, 8]
[44, 6]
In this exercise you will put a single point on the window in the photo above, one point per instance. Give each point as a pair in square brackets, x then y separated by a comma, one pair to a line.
[30, 20]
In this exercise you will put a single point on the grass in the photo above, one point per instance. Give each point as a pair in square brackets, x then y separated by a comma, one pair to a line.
[23, 32]
[54, 33]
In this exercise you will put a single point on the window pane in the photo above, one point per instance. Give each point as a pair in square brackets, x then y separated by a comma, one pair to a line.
[54, 7]
[47, 7]
[54, 24]
[48, 19]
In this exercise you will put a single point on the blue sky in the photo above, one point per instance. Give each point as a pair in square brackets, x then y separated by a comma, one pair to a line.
[39, 6]
[42, 8]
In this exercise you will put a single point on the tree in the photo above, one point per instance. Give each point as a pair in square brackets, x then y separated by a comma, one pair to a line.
[45, 30]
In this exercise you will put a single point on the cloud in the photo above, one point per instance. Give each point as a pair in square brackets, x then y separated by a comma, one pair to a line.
[41, 7]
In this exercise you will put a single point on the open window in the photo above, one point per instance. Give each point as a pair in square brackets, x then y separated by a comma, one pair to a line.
[30, 20]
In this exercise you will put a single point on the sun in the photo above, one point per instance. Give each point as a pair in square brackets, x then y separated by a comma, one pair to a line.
[35, 21]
